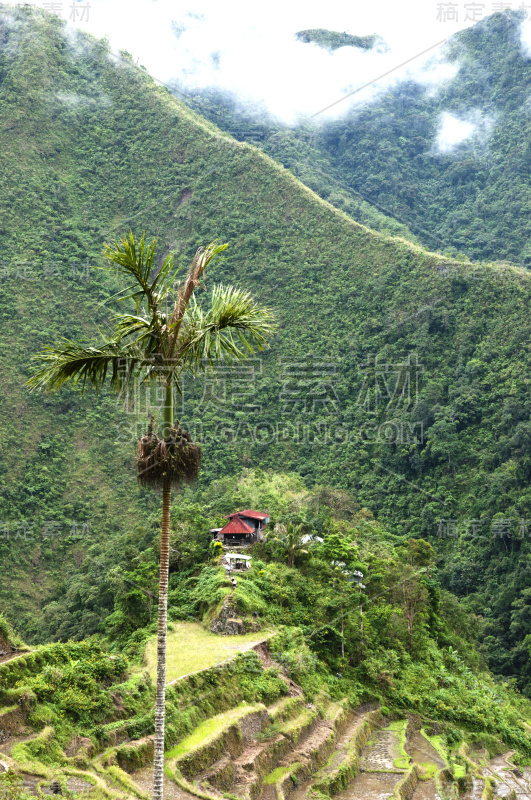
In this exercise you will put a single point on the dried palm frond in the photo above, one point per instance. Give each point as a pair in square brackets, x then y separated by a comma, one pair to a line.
[174, 459]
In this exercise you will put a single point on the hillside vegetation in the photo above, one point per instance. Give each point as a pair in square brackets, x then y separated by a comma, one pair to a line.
[350, 677]
[331, 40]
[468, 199]
[90, 146]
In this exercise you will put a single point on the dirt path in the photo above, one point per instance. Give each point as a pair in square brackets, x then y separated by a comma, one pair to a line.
[422, 752]
[342, 743]
[8, 743]
[370, 786]
[11, 656]
[476, 793]
[381, 752]
[425, 790]
[508, 781]
[378, 775]
[300, 793]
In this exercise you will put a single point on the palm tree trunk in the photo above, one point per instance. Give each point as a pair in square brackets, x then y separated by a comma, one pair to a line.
[158, 763]
[160, 703]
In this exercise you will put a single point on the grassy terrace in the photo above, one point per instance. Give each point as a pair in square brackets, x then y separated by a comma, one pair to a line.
[400, 728]
[192, 648]
[205, 733]
[278, 774]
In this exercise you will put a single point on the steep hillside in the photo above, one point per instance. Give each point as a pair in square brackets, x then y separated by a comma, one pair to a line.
[319, 699]
[474, 196]
[396, 374]
[471, 197]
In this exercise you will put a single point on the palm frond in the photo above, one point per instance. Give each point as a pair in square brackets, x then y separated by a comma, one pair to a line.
[132, 258]
[202, 258]
[233, 328]
[147, 331]
[136, 259]
[163, 343]
[73, 362]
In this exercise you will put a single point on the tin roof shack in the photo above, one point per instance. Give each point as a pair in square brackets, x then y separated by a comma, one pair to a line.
[244, 527]
[237, 561]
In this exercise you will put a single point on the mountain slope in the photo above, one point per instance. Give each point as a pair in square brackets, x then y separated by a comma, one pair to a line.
[470, 197]
[475, 196]
[90, 146]
[329, 674]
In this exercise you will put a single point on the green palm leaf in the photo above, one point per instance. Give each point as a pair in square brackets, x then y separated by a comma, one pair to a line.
[154, 342]
[79, 364]
[233, 320]
[135, 259]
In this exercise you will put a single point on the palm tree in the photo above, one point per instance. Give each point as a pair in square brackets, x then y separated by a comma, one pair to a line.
[168, 336]
[291, 538]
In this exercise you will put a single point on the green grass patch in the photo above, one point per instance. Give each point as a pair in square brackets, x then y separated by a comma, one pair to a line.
[331, 710]
[191, 648]
[124, 781]
[459, 771]
[293, 726]
[284, 708]
[427, 770]
[438, 743]
[278, 774]
[8, 709]
[210, 729]
[43, 748]
[400, 728]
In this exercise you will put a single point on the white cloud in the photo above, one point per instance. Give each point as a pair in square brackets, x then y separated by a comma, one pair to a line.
[254, 53]
[454, 130]
[525, 37]
[436, 71]
[251, 50]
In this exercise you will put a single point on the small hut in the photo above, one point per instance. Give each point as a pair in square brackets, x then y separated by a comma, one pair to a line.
[237, 561]
[244, 527]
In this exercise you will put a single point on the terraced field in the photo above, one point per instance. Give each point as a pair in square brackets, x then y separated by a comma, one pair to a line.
[297, 750]
[253, 751]
[192, 648]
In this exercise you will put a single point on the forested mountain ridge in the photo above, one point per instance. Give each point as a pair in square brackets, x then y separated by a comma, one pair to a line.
[90, 146]
[471, 197]
[331, 40]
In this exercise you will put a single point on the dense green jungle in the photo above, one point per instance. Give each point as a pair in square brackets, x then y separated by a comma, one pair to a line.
[388, 422]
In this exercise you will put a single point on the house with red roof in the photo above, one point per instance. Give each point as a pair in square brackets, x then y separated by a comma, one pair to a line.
[243, 527]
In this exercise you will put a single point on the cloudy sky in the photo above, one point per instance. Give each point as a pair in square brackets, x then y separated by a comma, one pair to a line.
[249, 48]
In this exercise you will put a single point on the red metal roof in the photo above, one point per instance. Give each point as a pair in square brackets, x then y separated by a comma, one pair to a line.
[249, 513]
[237, 525]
